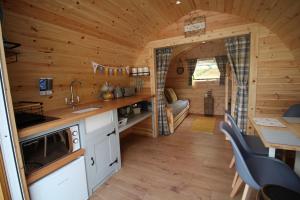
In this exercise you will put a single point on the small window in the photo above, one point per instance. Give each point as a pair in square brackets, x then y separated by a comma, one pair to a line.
[206, 70]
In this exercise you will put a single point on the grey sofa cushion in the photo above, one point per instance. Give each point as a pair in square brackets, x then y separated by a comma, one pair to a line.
[178, 106]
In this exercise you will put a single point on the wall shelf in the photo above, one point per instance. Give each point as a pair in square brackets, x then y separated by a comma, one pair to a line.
[11, 55]
[134, 119]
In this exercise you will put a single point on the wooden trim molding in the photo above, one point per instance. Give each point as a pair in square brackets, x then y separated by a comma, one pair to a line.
[210, 35]
[252, 77]
[11, 116]
[54, 166]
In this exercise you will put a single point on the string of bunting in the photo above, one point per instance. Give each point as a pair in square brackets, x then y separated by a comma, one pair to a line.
[110, 71]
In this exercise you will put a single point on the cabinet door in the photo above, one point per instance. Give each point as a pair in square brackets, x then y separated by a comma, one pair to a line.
[90, 165]
[113, 150]
[101, 158]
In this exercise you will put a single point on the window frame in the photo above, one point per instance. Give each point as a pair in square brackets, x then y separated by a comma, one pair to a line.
[206, 79]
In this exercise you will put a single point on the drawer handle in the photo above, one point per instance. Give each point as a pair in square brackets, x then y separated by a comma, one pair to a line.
[116, 161]
[93, 161]
[114, 132]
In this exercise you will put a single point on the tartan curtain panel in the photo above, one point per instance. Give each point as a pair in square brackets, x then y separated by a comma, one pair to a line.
[238, 52]
[221, 63]
[162, 63]
[191, 68]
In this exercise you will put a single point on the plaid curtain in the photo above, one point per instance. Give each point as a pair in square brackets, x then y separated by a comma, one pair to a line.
[238, 52]
[191, 68]
[162, 63]
[222, 62]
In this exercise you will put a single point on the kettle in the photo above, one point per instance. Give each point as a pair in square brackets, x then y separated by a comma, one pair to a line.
[118, 93]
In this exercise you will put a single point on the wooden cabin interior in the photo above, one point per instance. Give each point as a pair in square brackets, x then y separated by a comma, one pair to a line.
[150, 99]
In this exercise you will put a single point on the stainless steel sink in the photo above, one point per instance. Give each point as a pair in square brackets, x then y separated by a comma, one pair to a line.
[86, 110]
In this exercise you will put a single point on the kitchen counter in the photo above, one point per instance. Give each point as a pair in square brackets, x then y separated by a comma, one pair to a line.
[66, 115]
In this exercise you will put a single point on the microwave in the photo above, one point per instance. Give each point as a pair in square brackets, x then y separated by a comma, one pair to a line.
[44, 149]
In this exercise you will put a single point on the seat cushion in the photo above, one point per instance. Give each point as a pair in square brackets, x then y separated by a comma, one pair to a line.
[256, 145]
[170, 95]
[178, 106]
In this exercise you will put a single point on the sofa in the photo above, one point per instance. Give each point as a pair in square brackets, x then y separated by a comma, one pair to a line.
[177, 110]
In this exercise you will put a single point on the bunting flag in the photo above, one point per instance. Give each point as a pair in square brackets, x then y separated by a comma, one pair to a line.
[110, 71]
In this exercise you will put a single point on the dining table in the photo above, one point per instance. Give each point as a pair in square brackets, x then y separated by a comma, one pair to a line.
[279, 133]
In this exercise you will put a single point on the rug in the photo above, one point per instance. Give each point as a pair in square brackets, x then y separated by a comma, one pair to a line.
[204, 125]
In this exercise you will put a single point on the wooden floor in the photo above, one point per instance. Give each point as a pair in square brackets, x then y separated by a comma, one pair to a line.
[185, 166]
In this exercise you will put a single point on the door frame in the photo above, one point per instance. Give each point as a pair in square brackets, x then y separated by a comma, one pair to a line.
[251, 28]
[9, 141]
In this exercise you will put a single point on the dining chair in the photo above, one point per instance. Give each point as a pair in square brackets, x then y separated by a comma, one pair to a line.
[257, 171]
[293, 111]
[251, 143]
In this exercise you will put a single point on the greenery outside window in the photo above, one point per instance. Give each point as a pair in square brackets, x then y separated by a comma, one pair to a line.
[206, 70]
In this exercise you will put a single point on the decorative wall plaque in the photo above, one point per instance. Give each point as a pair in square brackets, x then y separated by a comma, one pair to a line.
[194, 26]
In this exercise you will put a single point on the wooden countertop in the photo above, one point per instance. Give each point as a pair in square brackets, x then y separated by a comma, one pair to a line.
[66, 116]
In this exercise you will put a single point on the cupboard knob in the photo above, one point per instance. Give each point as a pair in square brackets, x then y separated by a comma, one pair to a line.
[75, 141]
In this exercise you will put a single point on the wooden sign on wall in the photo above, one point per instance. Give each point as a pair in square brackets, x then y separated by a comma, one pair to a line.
[194, 26]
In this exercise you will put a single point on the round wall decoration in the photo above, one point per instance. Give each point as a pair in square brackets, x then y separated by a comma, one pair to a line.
[180, 68]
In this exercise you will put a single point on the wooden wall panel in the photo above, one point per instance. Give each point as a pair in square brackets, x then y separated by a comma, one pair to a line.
[278, 69]
[278, 80]
[196, 92]
[49, 50]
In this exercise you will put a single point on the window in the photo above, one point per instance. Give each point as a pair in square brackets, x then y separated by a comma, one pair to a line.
[206, 70]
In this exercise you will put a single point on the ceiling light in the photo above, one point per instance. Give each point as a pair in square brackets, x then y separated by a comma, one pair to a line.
[203, 42]
[178, 2]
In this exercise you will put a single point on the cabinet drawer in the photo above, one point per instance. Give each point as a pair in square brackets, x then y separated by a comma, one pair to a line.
[98, 121]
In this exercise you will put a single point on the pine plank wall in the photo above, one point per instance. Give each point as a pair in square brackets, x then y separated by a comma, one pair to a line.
[55, 46]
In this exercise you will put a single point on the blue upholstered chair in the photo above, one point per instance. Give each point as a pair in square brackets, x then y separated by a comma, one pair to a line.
[293, 111]
[257, 171]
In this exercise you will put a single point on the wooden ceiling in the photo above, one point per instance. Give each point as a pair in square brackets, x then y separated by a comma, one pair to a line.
[133, 23]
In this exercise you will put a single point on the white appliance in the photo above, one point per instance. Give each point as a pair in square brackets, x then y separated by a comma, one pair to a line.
[67, 183]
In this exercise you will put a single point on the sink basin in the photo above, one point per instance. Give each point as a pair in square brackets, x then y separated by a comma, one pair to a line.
[85, 110]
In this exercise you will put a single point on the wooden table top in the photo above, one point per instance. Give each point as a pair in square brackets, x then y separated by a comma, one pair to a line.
[290, 127]
[66, 115]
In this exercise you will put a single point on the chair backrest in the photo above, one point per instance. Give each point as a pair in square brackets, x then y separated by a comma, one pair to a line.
[240, 156]
[232, 121]
[238, 132]
[293, 111]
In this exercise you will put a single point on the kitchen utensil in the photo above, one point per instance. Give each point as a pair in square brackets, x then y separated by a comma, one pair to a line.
[118, 92]
[140, 71]
[134, 71]
[129, 91]
[137, 110]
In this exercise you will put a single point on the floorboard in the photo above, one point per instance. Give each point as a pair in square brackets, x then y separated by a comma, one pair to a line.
[184, 166]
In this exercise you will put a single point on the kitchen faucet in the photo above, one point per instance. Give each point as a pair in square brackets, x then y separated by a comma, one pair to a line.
[72, 101]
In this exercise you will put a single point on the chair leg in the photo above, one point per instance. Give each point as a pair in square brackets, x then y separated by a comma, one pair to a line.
[246, 193]
[232, 162]
[236, 175]
[236, 187]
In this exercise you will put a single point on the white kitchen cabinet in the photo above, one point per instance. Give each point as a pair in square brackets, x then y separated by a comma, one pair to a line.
[68, 183]
[102, 151]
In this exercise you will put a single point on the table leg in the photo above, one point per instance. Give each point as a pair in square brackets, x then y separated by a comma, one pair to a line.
[272, 152]
[297, 163]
